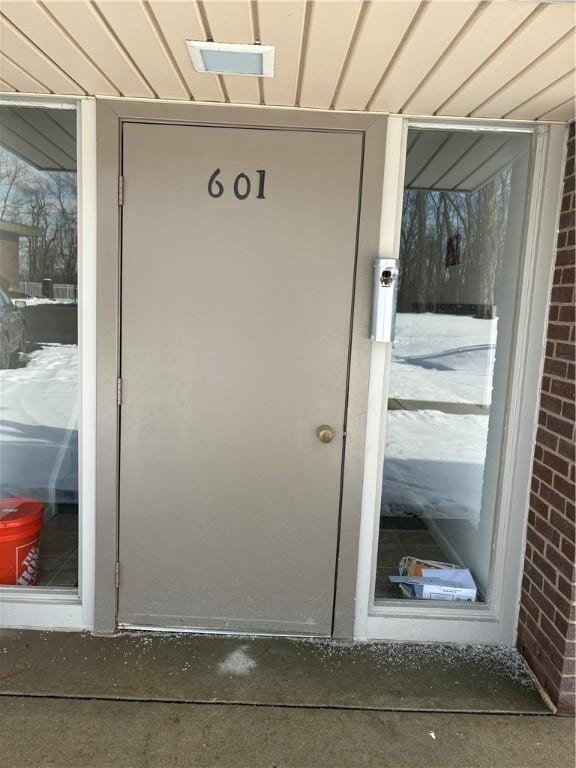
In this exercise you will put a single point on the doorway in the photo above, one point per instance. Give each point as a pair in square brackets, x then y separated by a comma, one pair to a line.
[238, 259]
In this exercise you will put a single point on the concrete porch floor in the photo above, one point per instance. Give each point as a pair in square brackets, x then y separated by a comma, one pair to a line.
[185, 700]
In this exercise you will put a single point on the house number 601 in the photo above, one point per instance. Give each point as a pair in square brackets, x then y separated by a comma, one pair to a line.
[242, 185]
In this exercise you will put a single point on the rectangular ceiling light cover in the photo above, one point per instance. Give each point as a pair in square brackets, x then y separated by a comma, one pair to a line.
[232, 58]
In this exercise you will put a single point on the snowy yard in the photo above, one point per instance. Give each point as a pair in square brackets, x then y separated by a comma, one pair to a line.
[38, 425]
[435, 459]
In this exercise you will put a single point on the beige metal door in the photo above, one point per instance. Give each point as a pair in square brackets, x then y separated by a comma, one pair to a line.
[238, 254]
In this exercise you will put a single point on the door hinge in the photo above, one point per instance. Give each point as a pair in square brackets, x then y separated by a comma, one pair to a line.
[117, 575]
[118, 391]
[120, 190]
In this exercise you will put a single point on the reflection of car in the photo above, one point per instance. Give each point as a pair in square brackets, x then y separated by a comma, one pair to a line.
[12, 331]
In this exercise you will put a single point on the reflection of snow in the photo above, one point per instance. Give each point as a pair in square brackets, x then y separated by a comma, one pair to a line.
[34, 301]
[434, 460]
[446, 358]
[434, 464]
[38, 426]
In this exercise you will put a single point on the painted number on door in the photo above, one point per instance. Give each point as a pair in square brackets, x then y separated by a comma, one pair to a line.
[242, 186]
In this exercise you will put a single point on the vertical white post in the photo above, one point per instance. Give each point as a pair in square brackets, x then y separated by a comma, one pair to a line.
[390, 221]
[87, 349]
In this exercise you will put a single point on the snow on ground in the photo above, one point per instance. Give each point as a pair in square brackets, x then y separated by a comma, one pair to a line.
[445, 358]
[38, 425]
[34, 301]
[434, 461]
[434, 464]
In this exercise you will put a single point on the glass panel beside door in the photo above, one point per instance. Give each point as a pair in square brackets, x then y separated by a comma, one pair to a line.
[39, 370]
[460, 258]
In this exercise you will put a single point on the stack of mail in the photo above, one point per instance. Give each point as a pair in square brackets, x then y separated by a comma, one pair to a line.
[433, 580]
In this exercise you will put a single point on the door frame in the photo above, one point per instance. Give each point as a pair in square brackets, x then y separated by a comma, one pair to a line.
[496, 620]
[110, 114]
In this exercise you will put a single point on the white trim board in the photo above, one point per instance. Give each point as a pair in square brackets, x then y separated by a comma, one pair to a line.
[53, 614]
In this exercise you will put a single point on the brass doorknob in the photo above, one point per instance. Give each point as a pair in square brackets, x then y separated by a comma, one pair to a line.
[325, 433]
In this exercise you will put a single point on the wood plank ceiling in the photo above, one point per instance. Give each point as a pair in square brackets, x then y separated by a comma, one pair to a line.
[464, 58]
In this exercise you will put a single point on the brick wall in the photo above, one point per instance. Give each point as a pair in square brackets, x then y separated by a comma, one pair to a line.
[546, 630]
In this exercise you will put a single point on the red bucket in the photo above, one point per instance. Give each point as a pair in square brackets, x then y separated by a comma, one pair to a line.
[20, 527]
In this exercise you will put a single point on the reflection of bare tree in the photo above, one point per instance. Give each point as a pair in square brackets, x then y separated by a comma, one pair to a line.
[429, 219]
[45, 200]
[11, 170]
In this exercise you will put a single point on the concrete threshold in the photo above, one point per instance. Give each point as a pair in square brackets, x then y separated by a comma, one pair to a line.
[267, 673]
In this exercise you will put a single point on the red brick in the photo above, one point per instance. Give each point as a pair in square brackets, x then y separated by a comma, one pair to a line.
[546, 606]
[547, 531]
[553, 643]
[569, 411]
[560, 426]
[562, 524]
[562, 624]
[563, 485]
[539, 506]
[556, 463]
[564, 351]
[555, 367]
[531, 607]
[549, 403]
[562, 294]
[546, 568]
[537, 541]
[565, 257]
[557, 642]
[558, 600]
[566, 448]
[559, 562]
[567, 547]
[563, 388]
[547, 616]
[546, 438]
[542, 472]
[565, 588]
[553, 498]
[566, 702]
[534, 576]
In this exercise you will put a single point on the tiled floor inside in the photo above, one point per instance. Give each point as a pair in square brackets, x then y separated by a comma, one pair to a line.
[401, 536]
[59, 549]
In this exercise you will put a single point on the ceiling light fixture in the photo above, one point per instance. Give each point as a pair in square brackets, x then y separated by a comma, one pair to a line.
[232, 58]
